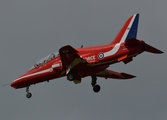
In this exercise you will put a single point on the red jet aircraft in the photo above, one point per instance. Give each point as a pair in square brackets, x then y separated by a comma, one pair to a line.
[78, 63]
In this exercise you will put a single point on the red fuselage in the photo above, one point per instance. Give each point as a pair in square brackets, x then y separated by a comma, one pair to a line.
[89, 61]
[98, 57]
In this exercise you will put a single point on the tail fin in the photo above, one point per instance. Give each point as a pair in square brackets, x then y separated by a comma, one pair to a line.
[129, 30]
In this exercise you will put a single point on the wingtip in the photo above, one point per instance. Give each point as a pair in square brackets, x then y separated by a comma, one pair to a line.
[127, 76]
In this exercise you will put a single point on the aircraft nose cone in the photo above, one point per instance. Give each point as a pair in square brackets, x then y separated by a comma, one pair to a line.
[17, 83]
[20, 82]
[14, 84]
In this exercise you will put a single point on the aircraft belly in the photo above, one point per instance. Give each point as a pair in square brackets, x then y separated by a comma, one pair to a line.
[91, 70]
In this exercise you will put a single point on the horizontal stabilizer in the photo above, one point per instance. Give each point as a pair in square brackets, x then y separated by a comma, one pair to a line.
[151, 49]
[115, 75]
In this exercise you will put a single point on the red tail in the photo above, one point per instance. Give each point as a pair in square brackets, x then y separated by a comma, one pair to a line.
[128, 31]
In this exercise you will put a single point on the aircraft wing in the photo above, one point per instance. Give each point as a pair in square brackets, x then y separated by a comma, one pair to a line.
[115, 75]
[70, 58]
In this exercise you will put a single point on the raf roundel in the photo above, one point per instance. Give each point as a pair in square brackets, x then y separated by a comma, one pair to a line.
[100, 56]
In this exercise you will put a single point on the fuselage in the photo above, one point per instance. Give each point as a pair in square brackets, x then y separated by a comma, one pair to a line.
[77, 63]
[98, 57]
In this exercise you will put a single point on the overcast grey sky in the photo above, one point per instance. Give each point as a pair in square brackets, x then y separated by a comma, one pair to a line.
[31, 29]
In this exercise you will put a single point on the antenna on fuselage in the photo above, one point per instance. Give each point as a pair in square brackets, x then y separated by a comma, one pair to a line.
[81, 46]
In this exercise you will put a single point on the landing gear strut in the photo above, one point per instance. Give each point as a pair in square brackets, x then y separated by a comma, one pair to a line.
[28, 95]
[96, 87]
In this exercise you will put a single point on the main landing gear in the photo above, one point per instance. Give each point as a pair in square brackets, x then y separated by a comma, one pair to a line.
[96, 87]
[72, 75]
[28, 95]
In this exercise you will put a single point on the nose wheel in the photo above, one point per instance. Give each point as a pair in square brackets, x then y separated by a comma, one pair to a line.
[96, 87]
[28, 95]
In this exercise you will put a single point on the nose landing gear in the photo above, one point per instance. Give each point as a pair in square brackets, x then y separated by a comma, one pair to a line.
[28, 95]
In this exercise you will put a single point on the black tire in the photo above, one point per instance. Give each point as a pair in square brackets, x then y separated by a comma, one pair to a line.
[28, 95]
[96, 88]
[71, 76]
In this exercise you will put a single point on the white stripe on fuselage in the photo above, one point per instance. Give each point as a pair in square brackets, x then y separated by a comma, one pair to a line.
[117, 46]
[113, 51]
[33, 74]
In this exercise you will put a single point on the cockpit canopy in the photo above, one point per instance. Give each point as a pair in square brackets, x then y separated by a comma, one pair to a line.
[46, 59]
